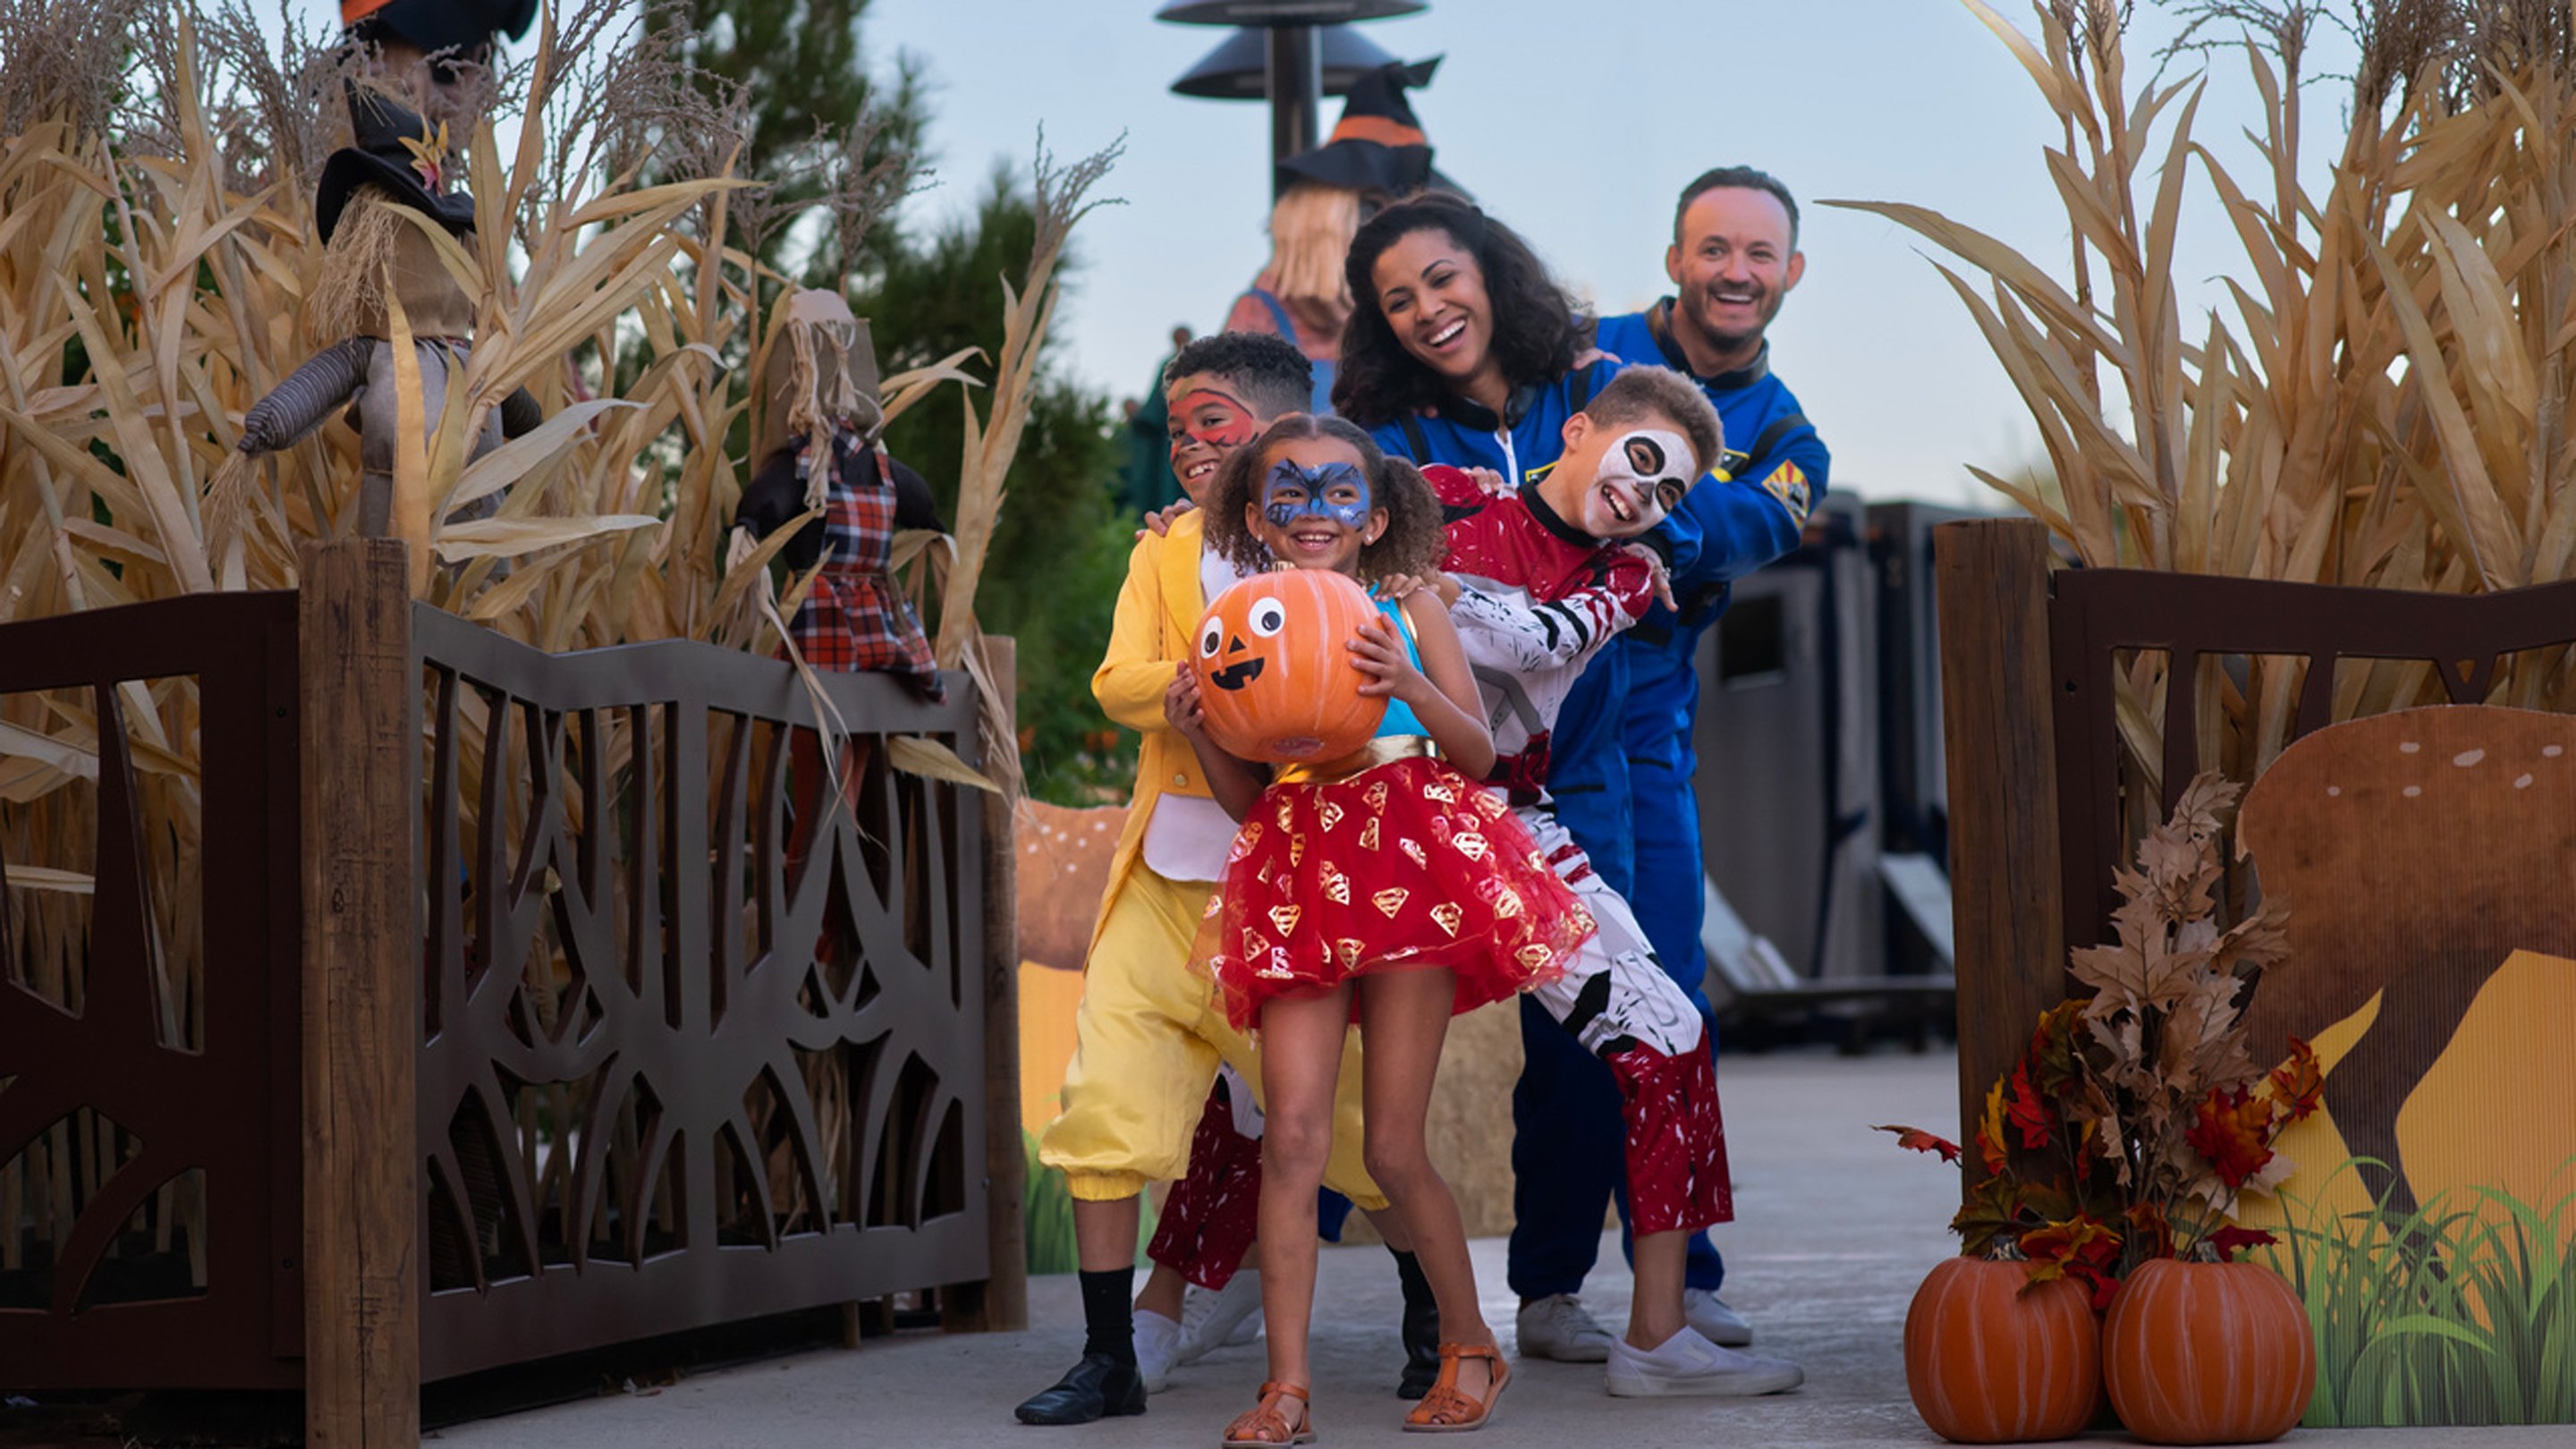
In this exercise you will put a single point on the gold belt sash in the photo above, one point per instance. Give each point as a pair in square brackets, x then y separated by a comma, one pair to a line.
[1383, 750]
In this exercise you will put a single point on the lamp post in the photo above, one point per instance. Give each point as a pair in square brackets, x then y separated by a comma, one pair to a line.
[1239, 68]
[1293, 62]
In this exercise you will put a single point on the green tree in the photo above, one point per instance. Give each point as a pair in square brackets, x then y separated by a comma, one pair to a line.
[805, 83]
[1060, 550]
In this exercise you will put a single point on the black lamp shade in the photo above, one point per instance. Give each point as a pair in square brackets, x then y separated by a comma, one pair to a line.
[1235, 70]
[1259, 13]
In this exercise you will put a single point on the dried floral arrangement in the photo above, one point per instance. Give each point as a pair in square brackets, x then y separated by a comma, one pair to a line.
[2385, 402]
[2136, 1120]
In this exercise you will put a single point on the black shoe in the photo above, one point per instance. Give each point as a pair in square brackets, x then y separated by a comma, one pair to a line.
[1097, 1387]
[1421, 1352]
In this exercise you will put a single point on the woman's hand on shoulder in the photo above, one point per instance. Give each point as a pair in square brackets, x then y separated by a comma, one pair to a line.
[1399, 587]
[1655, 569]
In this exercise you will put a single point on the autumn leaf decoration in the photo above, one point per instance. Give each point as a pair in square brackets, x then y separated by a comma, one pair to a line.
[1918, 1140]
[2136, 1120]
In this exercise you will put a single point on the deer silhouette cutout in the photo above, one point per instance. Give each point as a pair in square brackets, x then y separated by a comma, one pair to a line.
[2418, 851]
[1065, 856]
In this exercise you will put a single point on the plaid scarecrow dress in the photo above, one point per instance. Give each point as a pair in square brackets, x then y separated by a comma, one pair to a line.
[853, 619]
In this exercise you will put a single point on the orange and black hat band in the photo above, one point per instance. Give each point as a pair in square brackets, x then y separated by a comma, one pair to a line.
[353, 11]
[1380, 129]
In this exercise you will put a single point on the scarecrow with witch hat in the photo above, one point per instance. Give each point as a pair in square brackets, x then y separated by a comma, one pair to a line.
[1376, 154]
[427, 51]
[375, 250]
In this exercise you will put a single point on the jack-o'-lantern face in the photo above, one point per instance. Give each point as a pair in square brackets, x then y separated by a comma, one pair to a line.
[1232, 661]
[1276, 679]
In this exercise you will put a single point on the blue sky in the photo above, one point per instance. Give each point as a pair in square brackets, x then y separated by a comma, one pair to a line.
[1577, 120]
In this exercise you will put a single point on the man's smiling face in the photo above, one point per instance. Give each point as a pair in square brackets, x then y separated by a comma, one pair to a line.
[1733, 266]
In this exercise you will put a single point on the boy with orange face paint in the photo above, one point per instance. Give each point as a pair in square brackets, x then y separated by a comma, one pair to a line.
[1149, 1034]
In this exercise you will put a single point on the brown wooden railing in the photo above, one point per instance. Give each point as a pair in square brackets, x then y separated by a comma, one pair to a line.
[518, 1004]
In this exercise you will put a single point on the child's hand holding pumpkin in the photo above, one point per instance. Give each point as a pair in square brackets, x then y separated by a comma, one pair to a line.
[1379, 654]
[1181, 704]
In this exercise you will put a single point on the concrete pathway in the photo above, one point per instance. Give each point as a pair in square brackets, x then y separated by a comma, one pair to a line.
[1835, 1228]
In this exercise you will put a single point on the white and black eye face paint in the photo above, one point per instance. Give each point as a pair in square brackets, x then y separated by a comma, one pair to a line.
[1644, 474]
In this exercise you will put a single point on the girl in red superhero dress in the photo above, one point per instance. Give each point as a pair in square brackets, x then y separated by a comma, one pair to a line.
[1387, 888]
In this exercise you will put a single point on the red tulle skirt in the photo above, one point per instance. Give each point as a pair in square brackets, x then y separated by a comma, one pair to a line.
[1401, 866]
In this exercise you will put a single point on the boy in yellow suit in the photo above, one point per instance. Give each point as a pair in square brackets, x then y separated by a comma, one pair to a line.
[1149, 1033]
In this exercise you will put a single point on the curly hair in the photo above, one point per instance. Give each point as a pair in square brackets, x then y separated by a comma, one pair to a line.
[1414, 542]
[1273, 376]
[1537, 331]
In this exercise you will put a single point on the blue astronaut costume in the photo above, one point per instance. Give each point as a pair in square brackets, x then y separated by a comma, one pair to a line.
[1567, 1147]
[1622, 784]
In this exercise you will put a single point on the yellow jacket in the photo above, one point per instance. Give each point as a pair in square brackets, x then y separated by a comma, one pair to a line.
[1158, 612]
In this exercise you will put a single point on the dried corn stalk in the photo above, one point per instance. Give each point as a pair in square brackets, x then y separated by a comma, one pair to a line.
[2384, 404]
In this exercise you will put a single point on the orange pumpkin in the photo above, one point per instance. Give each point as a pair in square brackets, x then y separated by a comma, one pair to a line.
[1276, 679]
[2208, 1353]
[1990, 1363]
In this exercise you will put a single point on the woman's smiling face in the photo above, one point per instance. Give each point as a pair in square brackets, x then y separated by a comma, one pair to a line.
[1312, 508]
[1432, 293]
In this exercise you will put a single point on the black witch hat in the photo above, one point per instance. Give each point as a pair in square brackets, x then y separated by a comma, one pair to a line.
[1377, 145]
[435, 25]
[391, 140]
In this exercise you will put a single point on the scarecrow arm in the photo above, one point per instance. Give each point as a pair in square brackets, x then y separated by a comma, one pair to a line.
[520, 414]
[327, 380]
[914, 507]
[772, 497]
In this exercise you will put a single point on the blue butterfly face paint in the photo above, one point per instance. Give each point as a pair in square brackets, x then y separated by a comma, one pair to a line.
[1336, 491]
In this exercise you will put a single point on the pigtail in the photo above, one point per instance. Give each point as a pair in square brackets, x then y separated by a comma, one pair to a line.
[1415, 541]
[1225, 529]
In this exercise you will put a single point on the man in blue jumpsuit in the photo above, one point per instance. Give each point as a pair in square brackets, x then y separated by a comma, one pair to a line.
[1623, 760]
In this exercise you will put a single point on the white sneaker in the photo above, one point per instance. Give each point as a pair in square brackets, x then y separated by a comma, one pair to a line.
[1689, 1364]
[1704, 1311]
[1210, 1321]
[1557, 1327]
[1157, 1339]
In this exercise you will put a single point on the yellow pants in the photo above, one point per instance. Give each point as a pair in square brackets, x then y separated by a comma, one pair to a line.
[1146, 1041]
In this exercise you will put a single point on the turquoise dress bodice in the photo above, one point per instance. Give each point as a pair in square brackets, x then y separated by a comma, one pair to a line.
[1400, 718]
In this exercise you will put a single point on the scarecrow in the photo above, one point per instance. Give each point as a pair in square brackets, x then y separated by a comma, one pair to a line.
[820, 450]
[433, 53]
[369, 246]
[1377, 154]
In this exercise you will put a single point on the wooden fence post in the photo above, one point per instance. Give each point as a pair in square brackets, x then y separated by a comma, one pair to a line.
[1000, 1303]
[362, 1304]
[2000, 736]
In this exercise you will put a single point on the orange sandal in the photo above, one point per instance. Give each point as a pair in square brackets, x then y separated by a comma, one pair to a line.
[1447, 1409]
[1264, 1425]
